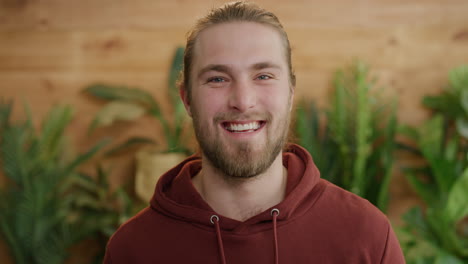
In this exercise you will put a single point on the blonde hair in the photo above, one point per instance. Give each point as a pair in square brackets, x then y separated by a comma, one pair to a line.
[233, 12]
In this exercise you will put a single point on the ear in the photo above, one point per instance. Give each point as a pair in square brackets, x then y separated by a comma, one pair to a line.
[184, 97]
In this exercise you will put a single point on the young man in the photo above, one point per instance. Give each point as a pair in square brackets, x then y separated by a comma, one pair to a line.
[248, 198]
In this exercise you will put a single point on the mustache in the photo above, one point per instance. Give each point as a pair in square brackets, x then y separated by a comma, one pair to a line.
[242, 116]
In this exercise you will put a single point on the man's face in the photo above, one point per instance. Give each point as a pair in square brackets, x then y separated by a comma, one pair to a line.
[241, 97]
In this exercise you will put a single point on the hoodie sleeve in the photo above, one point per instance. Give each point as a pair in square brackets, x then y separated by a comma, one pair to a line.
[392, 253]
[107, 258]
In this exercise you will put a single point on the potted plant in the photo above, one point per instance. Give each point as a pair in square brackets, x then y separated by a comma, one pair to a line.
[124, 103]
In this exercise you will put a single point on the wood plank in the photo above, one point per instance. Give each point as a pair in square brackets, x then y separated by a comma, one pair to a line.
[88, 51]
[399, 47]
[151, 51]
[148, 14]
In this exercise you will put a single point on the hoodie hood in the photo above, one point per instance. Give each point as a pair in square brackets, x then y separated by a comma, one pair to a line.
[176, 197]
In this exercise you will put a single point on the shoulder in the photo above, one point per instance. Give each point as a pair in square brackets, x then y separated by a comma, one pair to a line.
[345, 204]
[132, 233]
[134, 224]
[358, 224]
[345, 212]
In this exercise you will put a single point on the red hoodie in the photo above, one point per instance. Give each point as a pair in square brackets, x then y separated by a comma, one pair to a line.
[317, 222]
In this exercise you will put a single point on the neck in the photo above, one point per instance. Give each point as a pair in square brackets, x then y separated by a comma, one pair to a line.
[241, 199]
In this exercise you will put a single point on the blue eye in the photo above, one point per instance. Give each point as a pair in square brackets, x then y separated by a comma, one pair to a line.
[216, 79]
[264, 77]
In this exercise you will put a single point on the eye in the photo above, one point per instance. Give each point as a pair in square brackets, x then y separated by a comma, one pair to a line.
[216, 80]
[264, 77]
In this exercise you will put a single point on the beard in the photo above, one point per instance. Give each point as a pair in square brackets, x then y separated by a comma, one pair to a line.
[243, 159]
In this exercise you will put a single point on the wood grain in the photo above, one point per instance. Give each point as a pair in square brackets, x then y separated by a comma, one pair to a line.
[51, 49]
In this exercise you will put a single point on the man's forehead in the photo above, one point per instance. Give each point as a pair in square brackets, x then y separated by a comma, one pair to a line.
[246, 32]
[227, 43]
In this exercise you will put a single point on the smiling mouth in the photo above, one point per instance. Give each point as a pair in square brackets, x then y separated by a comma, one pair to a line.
[244, 127]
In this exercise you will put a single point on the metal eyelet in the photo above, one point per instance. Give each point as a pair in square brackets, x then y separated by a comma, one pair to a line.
[214, 217]
[275, 210]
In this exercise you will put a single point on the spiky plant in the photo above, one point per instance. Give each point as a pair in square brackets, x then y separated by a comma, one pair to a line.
[36, 215]
[314, 135]
[355, 148]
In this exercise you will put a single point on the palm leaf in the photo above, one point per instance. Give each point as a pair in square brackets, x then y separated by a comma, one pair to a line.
[35, 207]
[5, 112]
[85, 156]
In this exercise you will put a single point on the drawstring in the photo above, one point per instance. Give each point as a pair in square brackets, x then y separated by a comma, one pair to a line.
[275, 212]
[215, 221]
[218, 235]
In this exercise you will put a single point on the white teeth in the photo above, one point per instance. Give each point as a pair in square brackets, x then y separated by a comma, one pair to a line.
[243, 127]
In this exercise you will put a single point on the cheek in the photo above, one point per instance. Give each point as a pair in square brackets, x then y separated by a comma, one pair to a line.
[278, 101]
[206, 105]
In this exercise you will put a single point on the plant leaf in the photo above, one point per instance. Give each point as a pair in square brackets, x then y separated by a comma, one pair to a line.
[51, 136]
[5, 112]
[387, 159]
[462, 127]
[117, 111]
[457, 203]
[451, 149]
[445, 258]
[85, 156]
[122, 93]
[425, 190]
[464, 100]
[458, 78]
[415, 220]
[408, 131]
[174, 73]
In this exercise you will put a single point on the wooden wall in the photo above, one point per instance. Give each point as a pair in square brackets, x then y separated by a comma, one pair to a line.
[51, 49]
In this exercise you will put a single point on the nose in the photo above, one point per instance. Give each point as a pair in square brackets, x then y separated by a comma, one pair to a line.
[242, 96]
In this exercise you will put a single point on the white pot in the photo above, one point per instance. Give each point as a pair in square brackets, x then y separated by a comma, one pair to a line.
[150, 166]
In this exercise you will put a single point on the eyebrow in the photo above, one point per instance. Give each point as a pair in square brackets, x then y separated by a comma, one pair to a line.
[213, 67]
[265, 65]
[226, 69]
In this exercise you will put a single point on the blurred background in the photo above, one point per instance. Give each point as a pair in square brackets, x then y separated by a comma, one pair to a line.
[89, 115]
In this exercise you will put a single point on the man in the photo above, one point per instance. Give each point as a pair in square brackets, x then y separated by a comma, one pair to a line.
[246, 200]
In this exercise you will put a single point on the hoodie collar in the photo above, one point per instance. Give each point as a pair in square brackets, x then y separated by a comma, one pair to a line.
[176, 197]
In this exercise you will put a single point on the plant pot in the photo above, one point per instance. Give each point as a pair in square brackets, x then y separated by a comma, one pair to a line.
[151, 165]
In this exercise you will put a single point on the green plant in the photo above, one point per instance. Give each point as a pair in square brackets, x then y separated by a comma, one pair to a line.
[355, 147]
[36, 214]
[131, 103]
[442, 183]
[314, 135]
[453, 102]
[101, 210]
